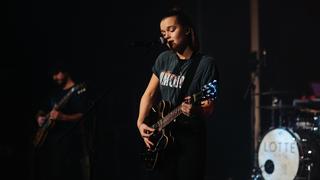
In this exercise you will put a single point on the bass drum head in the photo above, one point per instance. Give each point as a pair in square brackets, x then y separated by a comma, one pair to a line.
[278, 155]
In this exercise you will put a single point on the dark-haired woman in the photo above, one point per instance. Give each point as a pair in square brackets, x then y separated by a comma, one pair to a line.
[179, 73]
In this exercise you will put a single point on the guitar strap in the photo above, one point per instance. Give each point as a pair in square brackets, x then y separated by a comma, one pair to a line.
[189, 76]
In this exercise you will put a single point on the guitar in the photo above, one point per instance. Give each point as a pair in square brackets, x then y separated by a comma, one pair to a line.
[160, 117]
[43, 130]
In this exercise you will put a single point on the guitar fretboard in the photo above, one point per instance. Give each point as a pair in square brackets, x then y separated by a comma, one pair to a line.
[208, 91]
[162, 123]
[64, 100]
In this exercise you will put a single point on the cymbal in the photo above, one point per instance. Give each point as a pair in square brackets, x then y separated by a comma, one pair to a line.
[277, 107]
[273, 93]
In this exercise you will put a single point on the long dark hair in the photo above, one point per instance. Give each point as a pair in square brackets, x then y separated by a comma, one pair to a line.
[186, 23]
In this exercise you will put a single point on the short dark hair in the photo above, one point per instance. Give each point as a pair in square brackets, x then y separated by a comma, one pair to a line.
[59, 66]
[186, 22]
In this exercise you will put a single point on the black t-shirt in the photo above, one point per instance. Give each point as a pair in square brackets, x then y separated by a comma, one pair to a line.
[172, 72]
[77, 103]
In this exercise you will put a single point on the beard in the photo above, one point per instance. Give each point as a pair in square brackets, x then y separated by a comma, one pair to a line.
[61, 82]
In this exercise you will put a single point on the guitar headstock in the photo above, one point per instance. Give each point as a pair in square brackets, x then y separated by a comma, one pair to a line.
[208, 91]
[80, 88]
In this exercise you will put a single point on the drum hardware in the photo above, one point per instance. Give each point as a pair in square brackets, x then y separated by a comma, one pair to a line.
[256, 174]
[277, 111]
[277, 107]
[310, 110]
[309, 171]
[308, 120]
[311, 104]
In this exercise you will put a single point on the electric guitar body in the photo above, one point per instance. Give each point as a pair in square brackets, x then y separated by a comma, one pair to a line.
[161, 138]
[162, 115]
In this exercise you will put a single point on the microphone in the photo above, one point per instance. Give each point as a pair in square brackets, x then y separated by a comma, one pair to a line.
[158, 42]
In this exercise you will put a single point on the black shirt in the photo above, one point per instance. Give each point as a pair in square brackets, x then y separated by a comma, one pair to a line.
[77, 103]
[172, 72]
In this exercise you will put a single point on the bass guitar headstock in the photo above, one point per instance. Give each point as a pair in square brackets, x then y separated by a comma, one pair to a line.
[79, 88]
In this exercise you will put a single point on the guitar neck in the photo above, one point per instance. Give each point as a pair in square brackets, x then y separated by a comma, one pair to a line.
[58, 106]
[208, 91]
[63, 101]
[47, 122]
[162, 123]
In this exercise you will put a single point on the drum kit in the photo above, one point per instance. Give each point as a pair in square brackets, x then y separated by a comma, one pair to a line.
[290, 147]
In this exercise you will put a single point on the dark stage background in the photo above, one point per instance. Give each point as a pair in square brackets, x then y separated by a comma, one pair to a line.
[94, 36]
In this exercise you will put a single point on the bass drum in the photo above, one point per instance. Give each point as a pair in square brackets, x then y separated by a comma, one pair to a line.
[287, 155]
